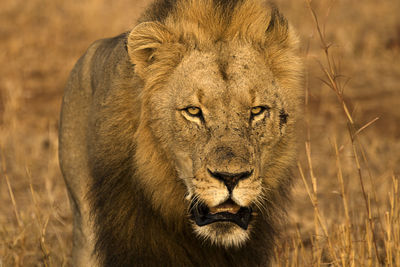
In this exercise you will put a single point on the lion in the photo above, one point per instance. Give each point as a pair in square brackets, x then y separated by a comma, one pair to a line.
[177, 138]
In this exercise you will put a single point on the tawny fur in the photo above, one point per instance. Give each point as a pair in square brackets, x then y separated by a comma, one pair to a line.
[133, 159]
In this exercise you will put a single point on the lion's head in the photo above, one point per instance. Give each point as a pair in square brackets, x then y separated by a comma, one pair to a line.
[220, 100]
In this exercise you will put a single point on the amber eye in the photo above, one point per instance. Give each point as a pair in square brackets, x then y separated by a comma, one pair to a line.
[257, 110]
[193, 111]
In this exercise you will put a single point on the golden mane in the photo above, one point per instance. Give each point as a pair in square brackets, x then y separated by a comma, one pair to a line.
[184, 25]
[206, 22]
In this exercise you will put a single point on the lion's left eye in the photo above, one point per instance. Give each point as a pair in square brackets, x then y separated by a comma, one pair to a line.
[193, 111]
[256, 111]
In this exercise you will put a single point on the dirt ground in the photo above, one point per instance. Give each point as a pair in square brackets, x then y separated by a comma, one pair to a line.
[340, 224]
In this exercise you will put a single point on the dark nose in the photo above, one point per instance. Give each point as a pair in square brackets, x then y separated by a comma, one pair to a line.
[230, 179]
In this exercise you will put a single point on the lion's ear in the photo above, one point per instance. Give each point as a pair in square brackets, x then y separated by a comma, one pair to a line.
[143, 42]
[278, 28]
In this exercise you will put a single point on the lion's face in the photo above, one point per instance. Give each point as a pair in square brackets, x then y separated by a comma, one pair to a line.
[225, 113]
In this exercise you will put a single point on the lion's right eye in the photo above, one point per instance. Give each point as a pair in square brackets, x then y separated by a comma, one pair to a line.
[257, 111]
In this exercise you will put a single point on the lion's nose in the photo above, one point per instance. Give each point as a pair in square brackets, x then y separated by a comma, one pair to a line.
[230, 179]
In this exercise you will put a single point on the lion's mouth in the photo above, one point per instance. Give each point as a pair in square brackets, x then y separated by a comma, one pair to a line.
[228, 211]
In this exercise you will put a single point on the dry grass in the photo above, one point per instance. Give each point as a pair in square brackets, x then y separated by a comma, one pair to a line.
[346, 200]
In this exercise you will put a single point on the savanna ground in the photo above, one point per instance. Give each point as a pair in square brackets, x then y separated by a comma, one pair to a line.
[347, 215]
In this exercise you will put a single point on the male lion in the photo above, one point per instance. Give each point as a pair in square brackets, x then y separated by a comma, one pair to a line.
[177, 138]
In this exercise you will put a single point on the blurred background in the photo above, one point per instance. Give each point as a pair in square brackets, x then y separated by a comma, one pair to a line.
[40, 41]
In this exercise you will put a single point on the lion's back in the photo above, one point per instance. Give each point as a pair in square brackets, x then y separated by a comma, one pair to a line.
[84, 91]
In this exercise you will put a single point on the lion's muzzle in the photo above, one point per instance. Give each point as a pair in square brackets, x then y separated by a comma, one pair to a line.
[222, 185]
[229, 210]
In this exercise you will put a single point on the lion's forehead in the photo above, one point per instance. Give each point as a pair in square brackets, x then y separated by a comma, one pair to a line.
[233, 78]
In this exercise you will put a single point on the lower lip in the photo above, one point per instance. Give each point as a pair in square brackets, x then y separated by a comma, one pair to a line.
[241, 218]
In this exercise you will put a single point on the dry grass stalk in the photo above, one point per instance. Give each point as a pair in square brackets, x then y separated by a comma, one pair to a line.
[42, 226]
[347, 254]
[10, 191]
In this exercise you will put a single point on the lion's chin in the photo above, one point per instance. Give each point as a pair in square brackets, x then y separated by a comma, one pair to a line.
[224, 234]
